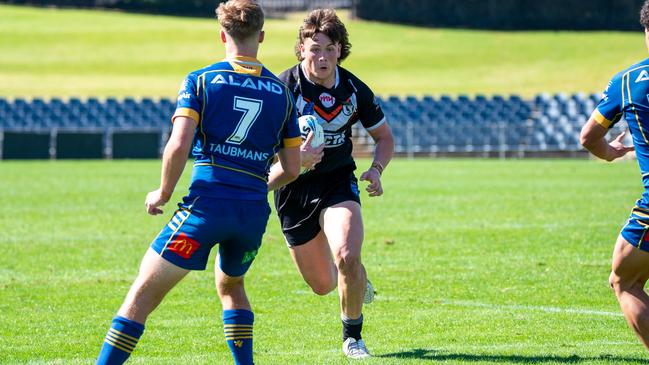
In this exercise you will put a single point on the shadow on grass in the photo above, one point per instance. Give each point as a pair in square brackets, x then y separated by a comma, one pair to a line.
[432, 355]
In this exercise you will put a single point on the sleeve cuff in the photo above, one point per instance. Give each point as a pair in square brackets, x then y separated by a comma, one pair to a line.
[186, 112]
[292, 142]
[380, 123]
[601, 119]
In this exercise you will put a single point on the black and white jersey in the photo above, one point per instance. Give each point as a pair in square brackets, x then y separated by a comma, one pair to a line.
[336, 109]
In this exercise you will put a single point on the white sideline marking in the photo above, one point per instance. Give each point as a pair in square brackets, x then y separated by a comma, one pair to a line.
[467, 303]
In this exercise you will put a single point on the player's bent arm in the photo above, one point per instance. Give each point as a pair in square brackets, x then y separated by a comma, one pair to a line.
[593, 138]
[383, 152]
[175, 154]
[384, 148]
[286, 169]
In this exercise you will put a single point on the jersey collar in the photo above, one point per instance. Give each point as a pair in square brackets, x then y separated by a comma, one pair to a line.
[250, 61]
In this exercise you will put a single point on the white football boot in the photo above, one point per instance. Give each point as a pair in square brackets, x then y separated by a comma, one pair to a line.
[355, 349]
[369, 293]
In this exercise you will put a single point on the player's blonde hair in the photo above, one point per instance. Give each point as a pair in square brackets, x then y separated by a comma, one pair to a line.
[327, 22]
[241, 19]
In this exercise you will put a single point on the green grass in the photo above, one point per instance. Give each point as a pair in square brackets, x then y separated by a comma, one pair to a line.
[49, 52]
[475, 262]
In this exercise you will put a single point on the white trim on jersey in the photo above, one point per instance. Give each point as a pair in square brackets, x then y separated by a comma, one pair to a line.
[384, 120]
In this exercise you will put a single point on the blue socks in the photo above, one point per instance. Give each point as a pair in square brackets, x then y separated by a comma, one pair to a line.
[124, 334]
[237, 326]
[120, 341]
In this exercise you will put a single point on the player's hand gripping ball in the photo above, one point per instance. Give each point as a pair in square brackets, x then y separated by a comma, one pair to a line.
[310, 123]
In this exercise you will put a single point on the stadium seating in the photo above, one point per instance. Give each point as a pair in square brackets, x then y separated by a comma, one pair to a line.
[421, 125]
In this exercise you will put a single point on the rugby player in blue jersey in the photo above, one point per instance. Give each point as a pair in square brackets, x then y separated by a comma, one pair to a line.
[627, 97]
[238, 115]
[320, 212]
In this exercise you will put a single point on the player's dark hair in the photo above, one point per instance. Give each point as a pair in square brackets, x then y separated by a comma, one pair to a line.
[644, 14]
[325, 21]
[241, 19]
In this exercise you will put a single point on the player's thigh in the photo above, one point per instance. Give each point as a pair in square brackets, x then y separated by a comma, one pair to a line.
[343, 225]
[631, 253]
[314, 262]
[155, 279]
[630, 265]
[157, 274]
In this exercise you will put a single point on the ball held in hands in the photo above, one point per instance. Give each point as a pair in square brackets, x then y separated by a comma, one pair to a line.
[310, 123]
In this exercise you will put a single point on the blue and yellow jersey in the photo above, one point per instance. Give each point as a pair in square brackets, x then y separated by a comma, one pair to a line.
[245, 115]
[627, 96]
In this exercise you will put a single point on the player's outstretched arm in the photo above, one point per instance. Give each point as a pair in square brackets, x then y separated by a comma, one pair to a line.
[174, 159]
[383, 152]
[593, 138]
[286, 170]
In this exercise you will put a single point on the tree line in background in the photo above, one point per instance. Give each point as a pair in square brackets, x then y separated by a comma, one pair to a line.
[201, 8]
[506, 14]
[472, 14]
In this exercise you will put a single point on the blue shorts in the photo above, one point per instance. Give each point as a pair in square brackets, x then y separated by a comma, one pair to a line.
[635, 229]
[201, 222]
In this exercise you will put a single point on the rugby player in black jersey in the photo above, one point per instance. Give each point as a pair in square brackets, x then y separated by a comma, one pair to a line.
[320, 212]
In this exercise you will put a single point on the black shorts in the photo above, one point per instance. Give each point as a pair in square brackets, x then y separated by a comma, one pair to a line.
[299, 204]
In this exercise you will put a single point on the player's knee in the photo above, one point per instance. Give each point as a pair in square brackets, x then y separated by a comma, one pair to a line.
[348, 264]
[621, 283]
[323, 288]
[614, 281]
[227, 284]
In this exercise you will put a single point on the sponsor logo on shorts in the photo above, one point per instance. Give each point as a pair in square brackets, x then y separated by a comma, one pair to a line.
[184, 246]
[645, 236]
[354, 187]
[249, 256]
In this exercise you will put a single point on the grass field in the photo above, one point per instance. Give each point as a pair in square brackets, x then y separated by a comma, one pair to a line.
[475, 262]
[48, 52]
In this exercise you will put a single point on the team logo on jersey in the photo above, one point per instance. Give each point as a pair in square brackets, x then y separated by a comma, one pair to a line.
[348, 108]
[327, 100]
[184, 246]
[644, 76]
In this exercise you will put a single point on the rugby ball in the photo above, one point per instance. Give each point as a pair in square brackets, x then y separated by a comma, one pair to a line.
[310, 123]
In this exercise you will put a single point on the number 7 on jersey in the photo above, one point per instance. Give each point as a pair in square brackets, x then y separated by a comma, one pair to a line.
[251, 109]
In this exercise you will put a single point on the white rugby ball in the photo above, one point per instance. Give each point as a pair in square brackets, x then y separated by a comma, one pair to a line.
[310, 123]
